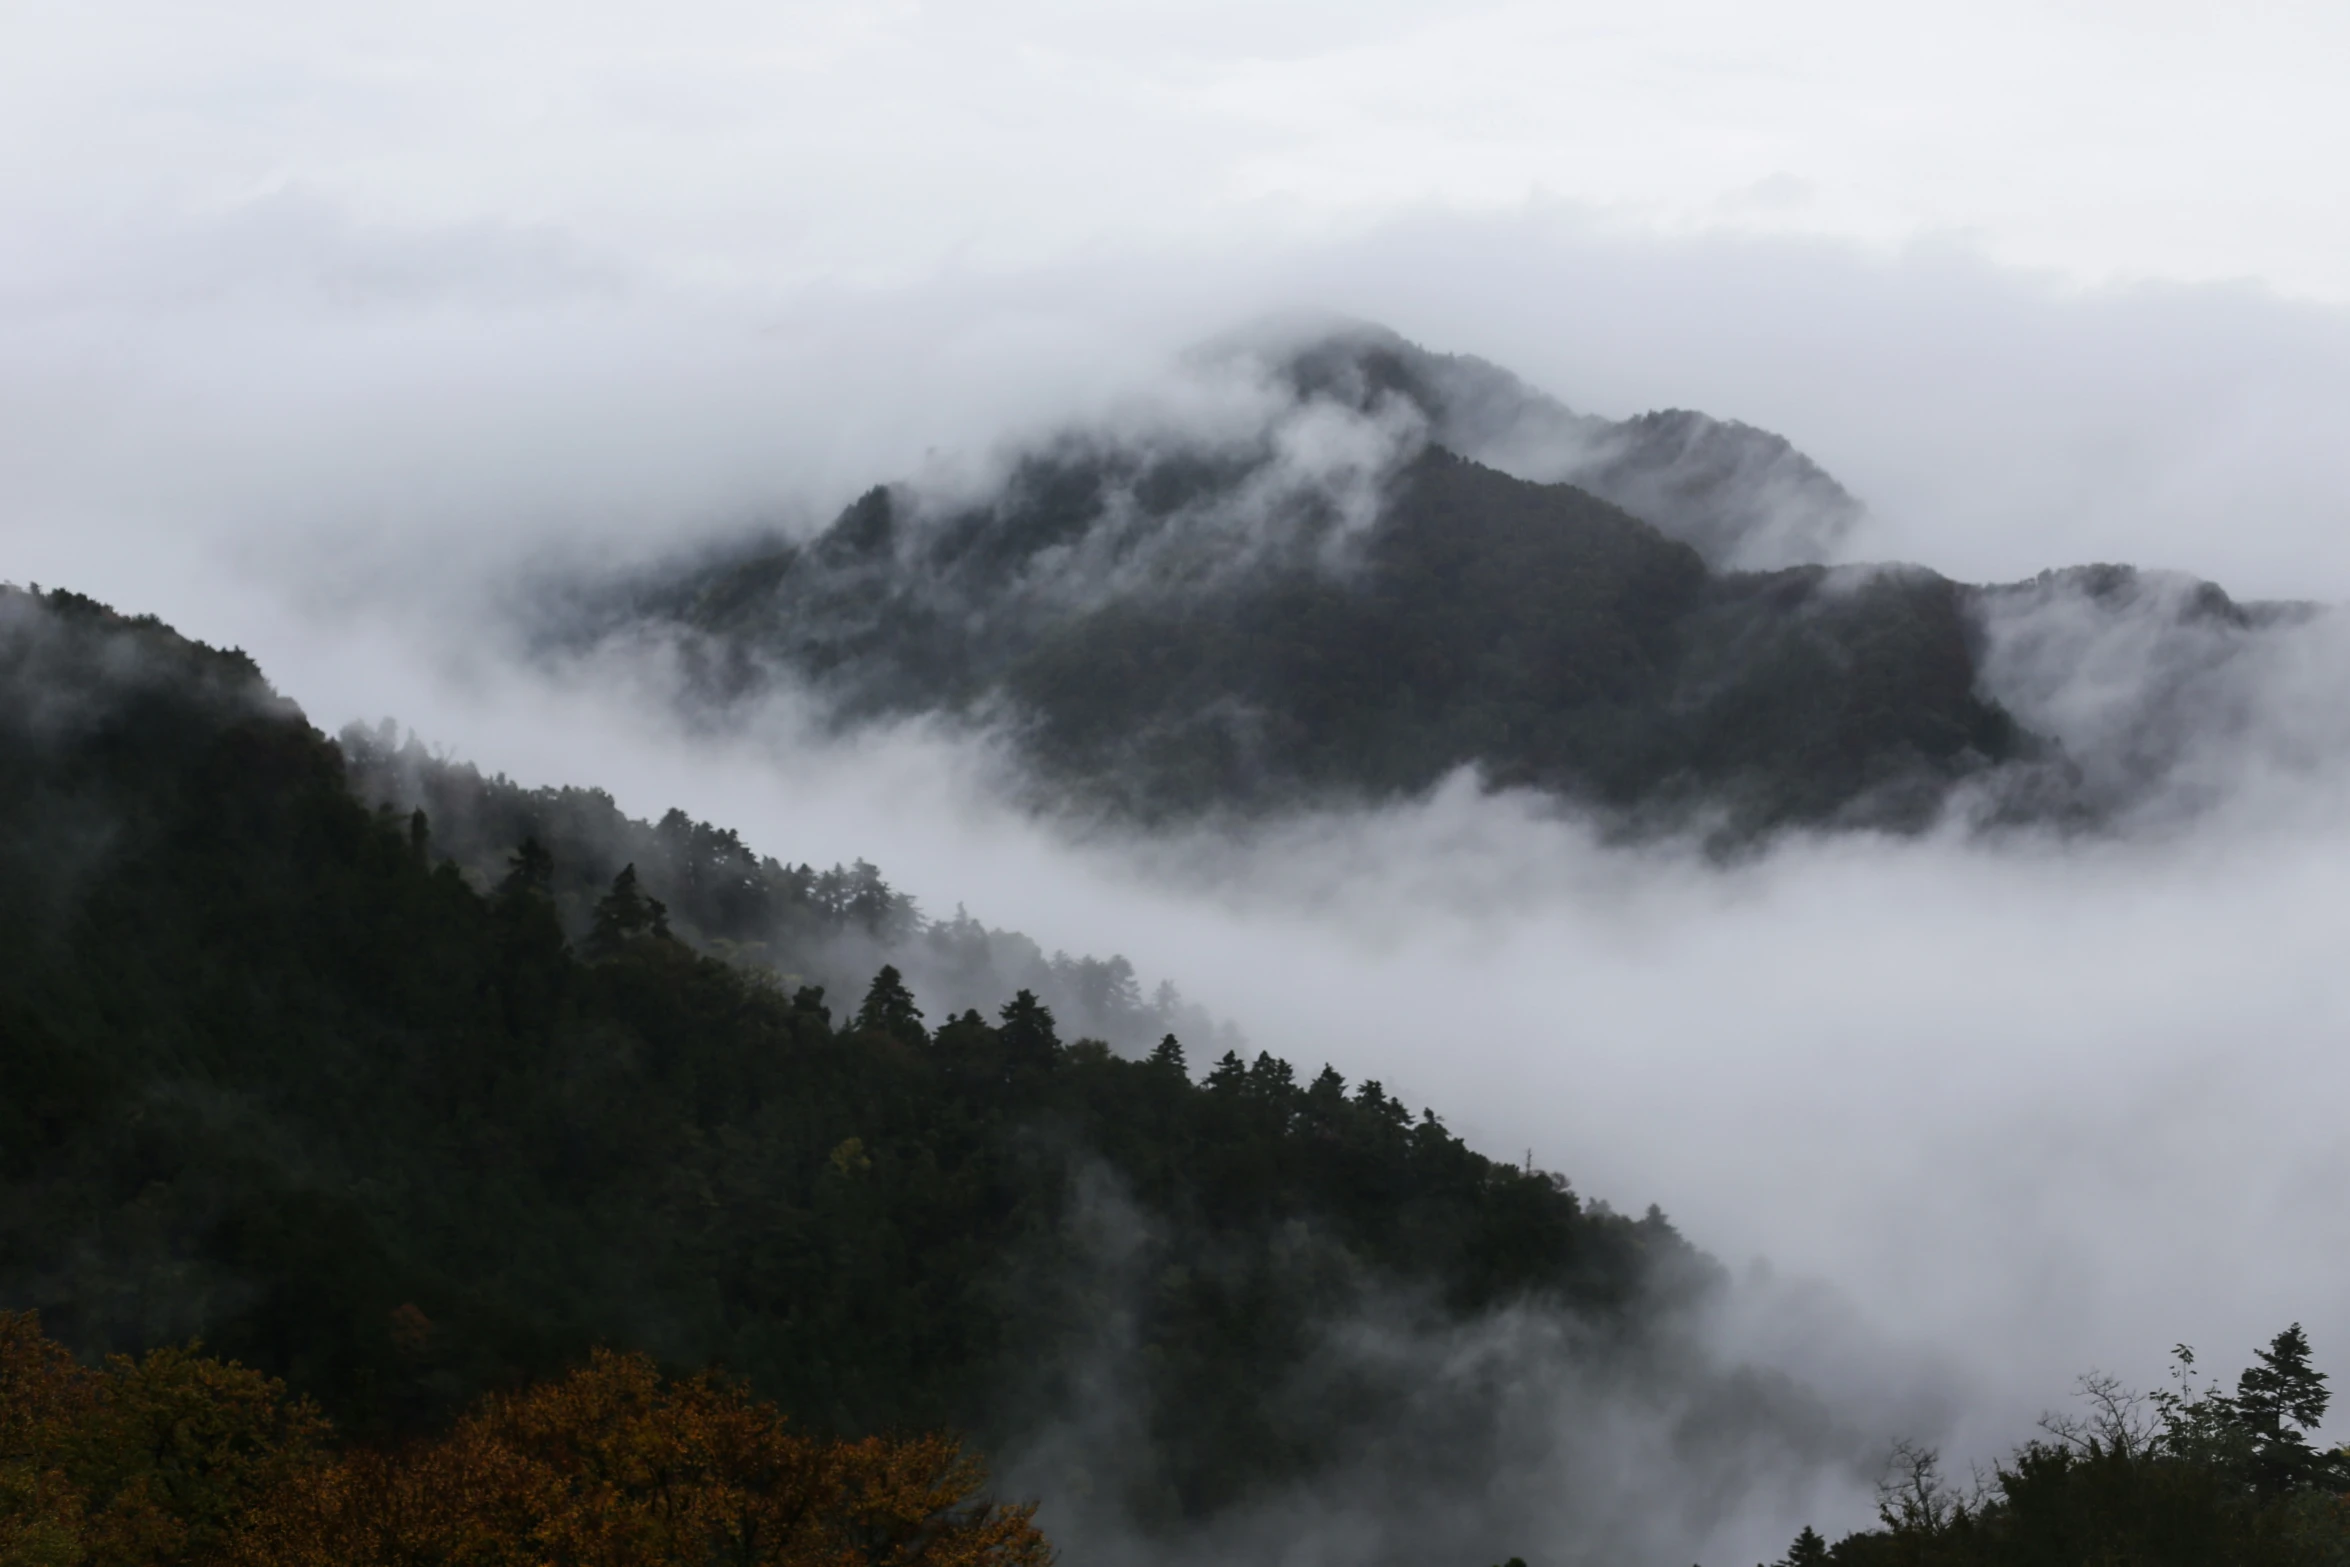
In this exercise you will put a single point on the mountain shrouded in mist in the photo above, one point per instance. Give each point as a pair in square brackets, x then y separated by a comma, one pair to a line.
[1363, 566]
[1743, 498]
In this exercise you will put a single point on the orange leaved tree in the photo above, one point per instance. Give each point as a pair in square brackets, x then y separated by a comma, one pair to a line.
[180, 1460]
[148, 1461]
[615, 1467]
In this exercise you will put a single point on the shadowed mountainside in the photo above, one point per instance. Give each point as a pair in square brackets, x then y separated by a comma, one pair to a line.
[1328, 590]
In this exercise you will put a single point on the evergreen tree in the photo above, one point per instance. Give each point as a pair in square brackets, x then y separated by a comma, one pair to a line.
[2279, 1398]
[889, 1009]
[624, 915]
[533, 959]
[1809, 1550]
[1272, 1078]
[529, 873]
[1029, 1040]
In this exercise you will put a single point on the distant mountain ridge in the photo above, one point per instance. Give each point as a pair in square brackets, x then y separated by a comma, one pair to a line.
[1373, 565]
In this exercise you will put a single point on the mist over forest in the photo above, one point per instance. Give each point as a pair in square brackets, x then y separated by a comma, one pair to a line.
[1383, 1363]
[1294, 784]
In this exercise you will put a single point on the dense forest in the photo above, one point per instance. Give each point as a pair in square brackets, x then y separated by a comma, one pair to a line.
[1406, 564]
[277, 1075]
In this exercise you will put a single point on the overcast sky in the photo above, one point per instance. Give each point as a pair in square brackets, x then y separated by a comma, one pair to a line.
[775, 143]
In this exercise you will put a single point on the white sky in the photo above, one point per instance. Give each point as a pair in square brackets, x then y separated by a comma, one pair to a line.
[779, 142]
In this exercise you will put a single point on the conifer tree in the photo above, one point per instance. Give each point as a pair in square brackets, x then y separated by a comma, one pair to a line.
[530, 871]
[889, 1009]
[1809, 1550]
[1029, 1039]
[533, 958]
[2279, 1399]
[624, 915]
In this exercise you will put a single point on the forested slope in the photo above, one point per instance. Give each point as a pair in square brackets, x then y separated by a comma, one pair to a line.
[272, 1071]
[833, 927]
[276, 1071]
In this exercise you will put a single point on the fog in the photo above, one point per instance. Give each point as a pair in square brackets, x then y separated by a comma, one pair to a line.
[1967, 1114]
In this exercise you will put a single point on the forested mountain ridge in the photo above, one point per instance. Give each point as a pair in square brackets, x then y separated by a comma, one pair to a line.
[1326, 597]
[275, 1073]
[833, 928]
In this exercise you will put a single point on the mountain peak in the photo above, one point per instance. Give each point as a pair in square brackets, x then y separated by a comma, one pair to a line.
[1333, 586]
[1742, 497]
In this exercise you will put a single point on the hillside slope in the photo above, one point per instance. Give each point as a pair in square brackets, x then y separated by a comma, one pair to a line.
[274, 1072]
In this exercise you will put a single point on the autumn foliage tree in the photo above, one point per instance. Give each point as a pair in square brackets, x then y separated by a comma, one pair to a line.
[152, 1460]
[614, 1466]
[181, 1458]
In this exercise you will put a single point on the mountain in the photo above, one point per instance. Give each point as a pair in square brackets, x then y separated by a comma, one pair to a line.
[1307, 595]
[1743, 498]
[1346, 567]
[279, 1070]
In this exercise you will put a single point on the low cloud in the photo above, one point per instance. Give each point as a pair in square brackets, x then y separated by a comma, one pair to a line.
[1988, 1111]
